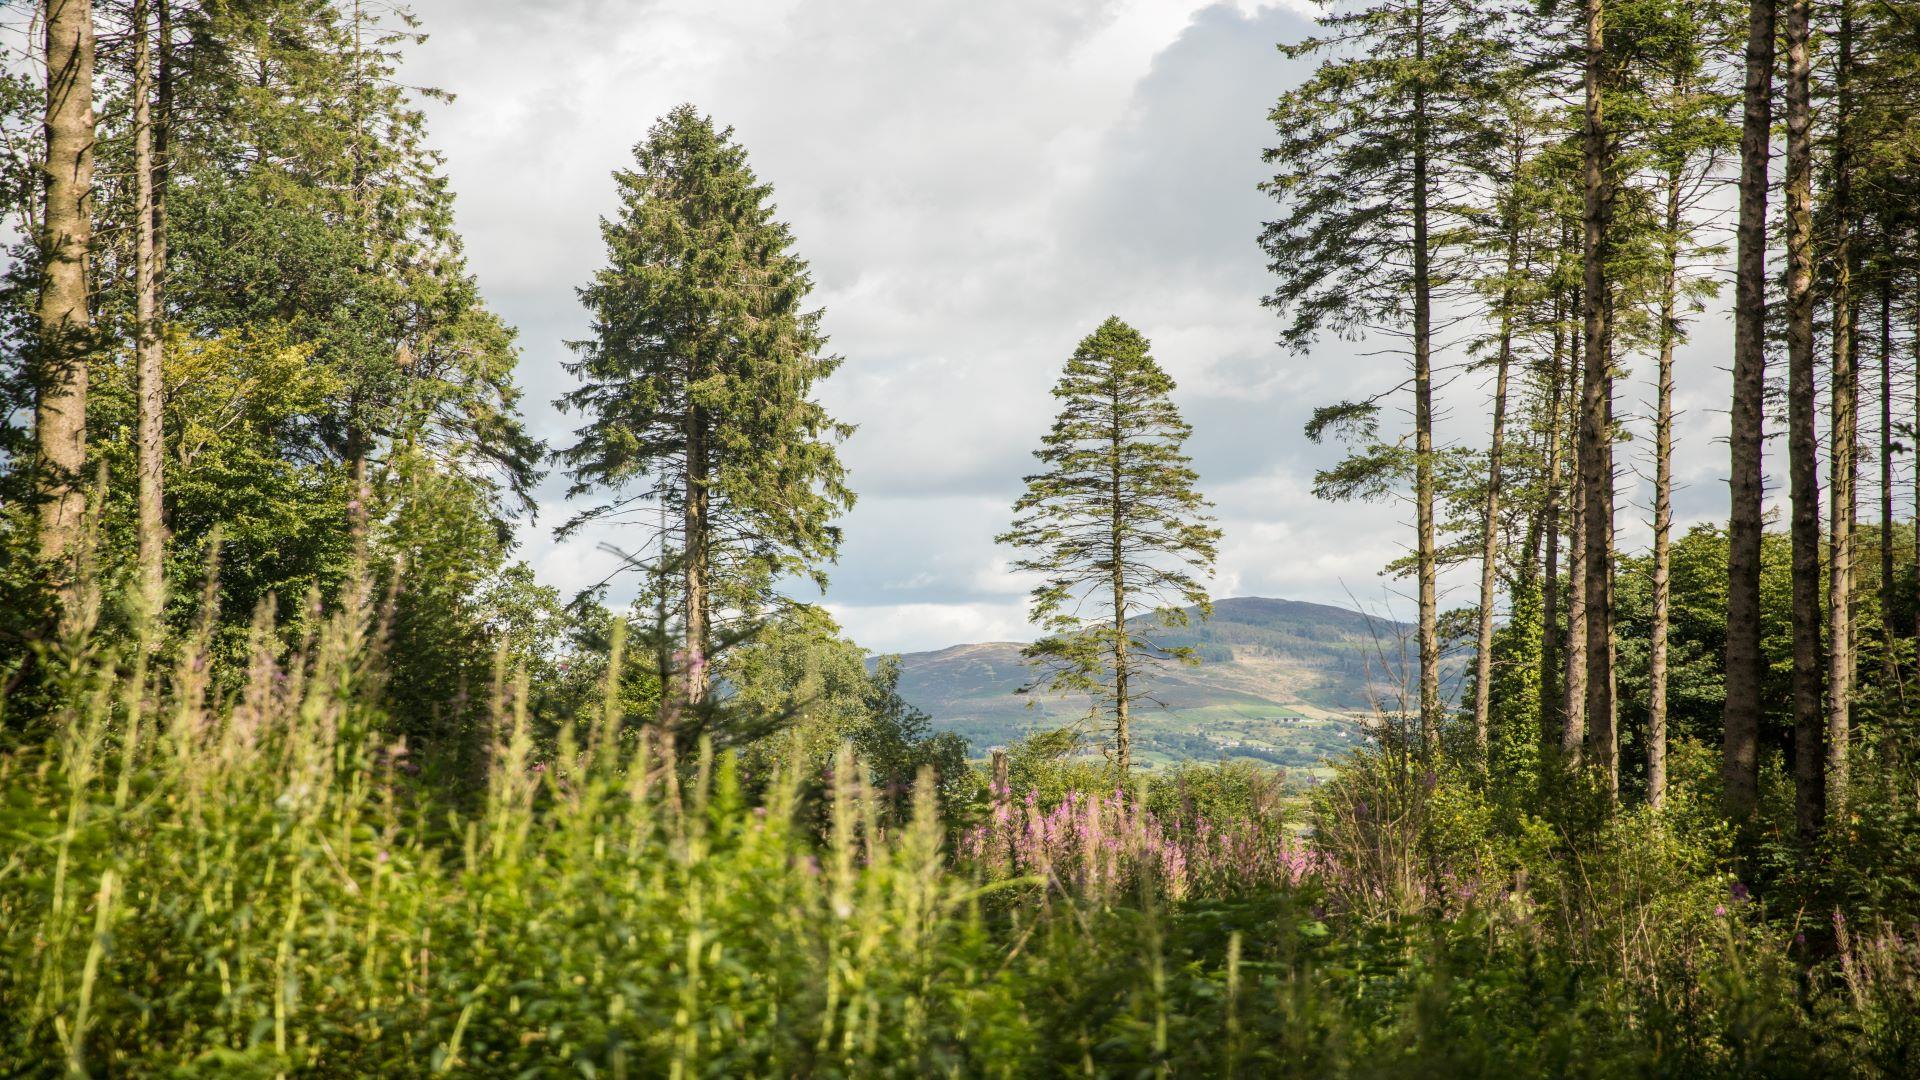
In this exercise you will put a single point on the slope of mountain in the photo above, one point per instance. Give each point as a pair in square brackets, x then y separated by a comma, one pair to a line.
[1279, 681]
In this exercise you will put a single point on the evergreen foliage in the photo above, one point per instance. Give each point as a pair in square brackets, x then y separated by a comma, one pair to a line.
[698, 381]
[1115, 529]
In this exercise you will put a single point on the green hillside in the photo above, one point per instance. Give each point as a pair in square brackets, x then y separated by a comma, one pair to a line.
[1279, 681]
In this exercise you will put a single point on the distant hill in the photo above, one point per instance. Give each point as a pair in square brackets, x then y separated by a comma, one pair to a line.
[1279, 681]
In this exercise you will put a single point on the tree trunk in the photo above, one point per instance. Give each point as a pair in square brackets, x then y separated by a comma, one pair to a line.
[147, 342]
[1550, 708]
[1596, 473]
[1843, 436]
[1603, 734]
[1425, 556]
[1573, 731]
[1890, 667]
[698, 600]
[1740, 760]
[1489, 545]
[1122, 725]
[1809, 726]
[359, 506]
[65, 345]
[162, 139]
[1669, 332]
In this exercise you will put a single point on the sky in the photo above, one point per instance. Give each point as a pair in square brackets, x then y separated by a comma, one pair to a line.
[977, 185]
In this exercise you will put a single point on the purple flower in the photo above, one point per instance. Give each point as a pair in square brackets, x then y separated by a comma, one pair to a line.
[1740, 894]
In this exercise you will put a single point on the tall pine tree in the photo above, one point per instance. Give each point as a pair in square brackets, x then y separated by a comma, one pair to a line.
[1114, 527]
[698, 381]
[1375, 159]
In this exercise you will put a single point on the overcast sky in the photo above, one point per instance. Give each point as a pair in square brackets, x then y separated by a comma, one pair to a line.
[977, 184]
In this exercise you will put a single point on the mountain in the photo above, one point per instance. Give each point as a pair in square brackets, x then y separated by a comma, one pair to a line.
[1279, 681]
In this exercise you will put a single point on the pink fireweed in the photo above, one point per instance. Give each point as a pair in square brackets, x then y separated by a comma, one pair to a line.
[1096, 845]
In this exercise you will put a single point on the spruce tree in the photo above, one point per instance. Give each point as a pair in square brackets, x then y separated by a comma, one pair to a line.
[698, 381]
[1114, 527]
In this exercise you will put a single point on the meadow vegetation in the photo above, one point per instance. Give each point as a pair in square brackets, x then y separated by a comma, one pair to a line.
[247, 875]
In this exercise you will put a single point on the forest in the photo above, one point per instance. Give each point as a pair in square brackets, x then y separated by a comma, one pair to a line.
[305, 771]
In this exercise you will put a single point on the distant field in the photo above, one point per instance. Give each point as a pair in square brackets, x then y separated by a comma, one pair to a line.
[1280, 682]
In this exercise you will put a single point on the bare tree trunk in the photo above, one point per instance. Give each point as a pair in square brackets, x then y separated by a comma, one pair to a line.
[1663, 504]
[695, 675]
[1596, 471]
[65, 325]
[359, 437]
[1490, 541]
[1550, 708]
[1844, 434]
[1573, 731]
[147, 342]
[359, 507]
[162, 139]
[1122, 719]
[1740, 760]
[1425, 555]
[1890, 667]
[1809, 730]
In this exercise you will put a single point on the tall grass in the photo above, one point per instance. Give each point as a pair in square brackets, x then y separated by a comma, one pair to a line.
[244, 877]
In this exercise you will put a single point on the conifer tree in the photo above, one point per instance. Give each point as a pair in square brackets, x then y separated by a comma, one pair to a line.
[1506, 290]
[698, 381]
[1114, 527]
[65, 322]
[1809, 719]
[1596, 402]
[1844, 422]
[1684, 113]
[1740, 731]
[1376, 153]
[148, 351]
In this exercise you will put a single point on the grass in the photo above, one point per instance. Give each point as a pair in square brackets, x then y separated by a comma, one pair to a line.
[245, 878]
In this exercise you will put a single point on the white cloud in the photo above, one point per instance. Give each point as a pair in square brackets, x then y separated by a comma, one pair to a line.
[977, 183]
[916, 627]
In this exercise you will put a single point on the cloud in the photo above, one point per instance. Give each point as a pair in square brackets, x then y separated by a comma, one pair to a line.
[919, 627]
[977, 183]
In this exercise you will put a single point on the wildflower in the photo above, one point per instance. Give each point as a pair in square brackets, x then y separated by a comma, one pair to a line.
[1719, 911]
[1740, 894]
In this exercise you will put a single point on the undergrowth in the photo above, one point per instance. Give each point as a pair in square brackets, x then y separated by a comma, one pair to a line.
[198, 880]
